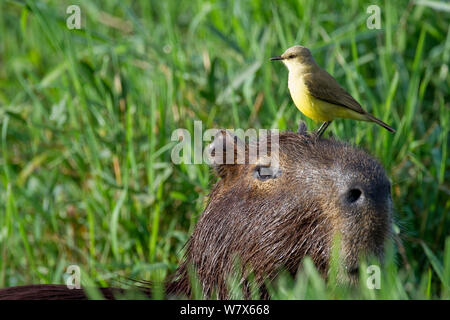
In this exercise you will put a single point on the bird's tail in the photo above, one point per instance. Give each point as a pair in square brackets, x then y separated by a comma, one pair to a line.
[378, 121]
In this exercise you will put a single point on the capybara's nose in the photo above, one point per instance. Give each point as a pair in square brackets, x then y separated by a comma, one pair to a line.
[373, 192]
[353, 195]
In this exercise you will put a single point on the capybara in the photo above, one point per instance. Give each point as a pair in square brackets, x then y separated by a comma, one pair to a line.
[321, 188]
[259, 222]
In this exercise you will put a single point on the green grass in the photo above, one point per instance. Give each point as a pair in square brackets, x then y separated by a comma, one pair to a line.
[86, 118]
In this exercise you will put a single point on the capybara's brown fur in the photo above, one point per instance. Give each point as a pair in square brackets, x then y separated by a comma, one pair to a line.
[322, 187]
[265, 223]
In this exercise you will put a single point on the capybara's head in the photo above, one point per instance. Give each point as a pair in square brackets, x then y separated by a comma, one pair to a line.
[270, 217]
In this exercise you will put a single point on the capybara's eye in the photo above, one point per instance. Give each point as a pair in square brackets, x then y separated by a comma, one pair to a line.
[264, 173]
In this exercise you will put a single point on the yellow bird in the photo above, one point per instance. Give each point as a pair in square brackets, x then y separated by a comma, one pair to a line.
[317, 94]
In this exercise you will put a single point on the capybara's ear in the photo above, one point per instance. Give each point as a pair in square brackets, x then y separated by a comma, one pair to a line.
[302, 129]
[226, 151]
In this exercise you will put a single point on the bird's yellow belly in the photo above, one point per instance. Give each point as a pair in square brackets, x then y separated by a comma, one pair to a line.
[313, 108]
[316, 109]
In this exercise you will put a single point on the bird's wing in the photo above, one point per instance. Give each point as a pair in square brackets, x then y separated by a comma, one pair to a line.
[324, 87]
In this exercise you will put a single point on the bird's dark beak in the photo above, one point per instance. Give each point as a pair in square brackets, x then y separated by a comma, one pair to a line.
[276, 58]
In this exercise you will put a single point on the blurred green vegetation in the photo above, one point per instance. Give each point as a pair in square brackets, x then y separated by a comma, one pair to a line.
[86, 118]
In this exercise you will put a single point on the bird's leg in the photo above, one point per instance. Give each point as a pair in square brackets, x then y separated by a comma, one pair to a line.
[322, 128]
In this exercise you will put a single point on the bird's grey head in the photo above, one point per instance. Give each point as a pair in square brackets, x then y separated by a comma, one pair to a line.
[296, 56]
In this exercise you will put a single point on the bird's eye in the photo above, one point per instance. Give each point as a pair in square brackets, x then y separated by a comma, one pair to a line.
[291, 56]
[264, 173]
